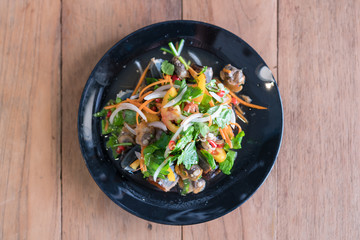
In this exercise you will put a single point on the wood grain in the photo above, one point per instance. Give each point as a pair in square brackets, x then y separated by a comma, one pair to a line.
[30, 120]
[88, 31]
[256, 23]
[319, 70]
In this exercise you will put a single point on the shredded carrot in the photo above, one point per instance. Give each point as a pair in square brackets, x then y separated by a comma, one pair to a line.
[227, 101]
[141, 80]
[146, 103]
[192, 72]
[239, 109]
[115, 105]
[137, 118]
[142, 161]
[229, 131]
[246, 103]
[223, 135]
[106, 125]
[241, 116]
[226, 70]
[153, 84]
[136, 103]
[143, 106]
[168, 77]
[237, 125]
[210, 120]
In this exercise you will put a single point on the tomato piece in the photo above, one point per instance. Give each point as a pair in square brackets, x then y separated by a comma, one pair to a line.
[120, 149]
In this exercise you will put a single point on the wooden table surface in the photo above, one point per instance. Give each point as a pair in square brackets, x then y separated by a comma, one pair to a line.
[47, 51]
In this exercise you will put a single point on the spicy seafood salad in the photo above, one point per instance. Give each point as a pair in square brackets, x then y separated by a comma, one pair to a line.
[181, 119]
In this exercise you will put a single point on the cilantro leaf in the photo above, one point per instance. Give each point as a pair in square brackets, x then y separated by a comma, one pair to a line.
[167, 68]
[228, 163]
[189, 156]
[202, 128]
[223, 118]
[185, 139]
[191, 93]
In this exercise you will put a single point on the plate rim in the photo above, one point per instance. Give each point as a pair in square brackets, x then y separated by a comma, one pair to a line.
[183, 223]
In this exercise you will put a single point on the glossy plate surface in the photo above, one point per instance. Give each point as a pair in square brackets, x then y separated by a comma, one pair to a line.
[215, 47]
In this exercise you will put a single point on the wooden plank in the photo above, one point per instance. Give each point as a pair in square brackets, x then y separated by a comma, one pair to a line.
[256, 23]
[30, 120]
[319, 69]
[88, 31]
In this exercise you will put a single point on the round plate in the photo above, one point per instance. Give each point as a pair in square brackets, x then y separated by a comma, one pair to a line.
[215, 47]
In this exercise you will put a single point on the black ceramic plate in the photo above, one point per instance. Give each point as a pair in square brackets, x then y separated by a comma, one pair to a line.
[215, 47]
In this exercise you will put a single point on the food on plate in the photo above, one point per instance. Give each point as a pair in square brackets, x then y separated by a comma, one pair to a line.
[179, 125]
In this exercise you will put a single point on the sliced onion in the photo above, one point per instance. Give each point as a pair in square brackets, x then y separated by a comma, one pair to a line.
[159, 169]
[158, 124]
[129, 106]
[129, 128]
[165, 87]
[176, 99]
[182, 117]
[135, 96]
[191, 118]
[233, 118]
[155, 95]
[217, 97]
[217, 112]
[138, 155]
[204, 119]
[195, 58]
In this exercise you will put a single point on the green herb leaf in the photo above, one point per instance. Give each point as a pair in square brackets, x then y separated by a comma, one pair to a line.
[204, 105]
[167, 68]
[202, 128]
[212, 86]
[191, 93]
[185, 139]
[236, 142]
[203, 70]
[118, 120]
[130, 117]
[223, 118]
[112, 141]
[209, 158]
[102, 113]
[228, 163]
[150, 80]
[189, 156]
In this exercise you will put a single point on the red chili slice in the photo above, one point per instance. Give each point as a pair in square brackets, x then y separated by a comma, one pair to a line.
[212, 143]
[172, 145]
[234, 101]
[221, 93]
